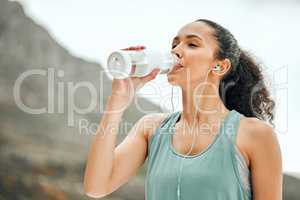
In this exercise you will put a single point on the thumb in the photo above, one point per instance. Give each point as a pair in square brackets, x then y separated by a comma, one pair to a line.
[150, 76]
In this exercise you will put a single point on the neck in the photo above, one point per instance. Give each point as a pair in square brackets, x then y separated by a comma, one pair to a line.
[202, 105]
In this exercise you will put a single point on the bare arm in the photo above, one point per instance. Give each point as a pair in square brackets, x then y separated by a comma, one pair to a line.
[125, 160]
[265, 163]
[101, 154]
[132, 152]
[101, 173]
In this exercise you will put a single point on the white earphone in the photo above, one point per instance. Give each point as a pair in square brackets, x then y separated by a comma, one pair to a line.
[216, 68]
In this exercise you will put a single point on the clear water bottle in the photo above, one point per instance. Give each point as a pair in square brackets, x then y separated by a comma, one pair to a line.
[120, 63]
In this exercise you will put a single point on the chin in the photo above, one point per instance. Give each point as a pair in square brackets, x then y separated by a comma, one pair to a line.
[172, 79]
[174, 82]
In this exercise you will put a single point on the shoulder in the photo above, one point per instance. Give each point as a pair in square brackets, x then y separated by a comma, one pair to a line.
[265, 158]
[152, 121]
[257, 130]
[258, 136]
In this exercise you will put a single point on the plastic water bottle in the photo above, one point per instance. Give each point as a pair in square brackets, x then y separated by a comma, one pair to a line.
[120, 63]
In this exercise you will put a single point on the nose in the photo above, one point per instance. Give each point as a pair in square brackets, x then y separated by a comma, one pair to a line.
[177, 52]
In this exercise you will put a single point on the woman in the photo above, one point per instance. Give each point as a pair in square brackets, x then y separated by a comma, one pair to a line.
[218, 147]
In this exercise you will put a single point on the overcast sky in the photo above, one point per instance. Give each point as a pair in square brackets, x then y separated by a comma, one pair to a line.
[92, 29]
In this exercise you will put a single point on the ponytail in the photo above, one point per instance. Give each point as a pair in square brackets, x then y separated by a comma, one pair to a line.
[243, 87]
[244, 90]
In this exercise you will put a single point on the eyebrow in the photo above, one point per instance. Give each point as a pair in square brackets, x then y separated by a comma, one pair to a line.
[188, 36]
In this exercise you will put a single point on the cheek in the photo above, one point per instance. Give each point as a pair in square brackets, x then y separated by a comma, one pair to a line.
[202, 57]
[198, 70]
[199, 62]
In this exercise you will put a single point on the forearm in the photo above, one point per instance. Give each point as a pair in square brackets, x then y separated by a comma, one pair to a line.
[101, 155]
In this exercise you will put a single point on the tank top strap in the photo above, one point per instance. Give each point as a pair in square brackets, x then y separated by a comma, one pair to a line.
[169, 121]
[231, 125]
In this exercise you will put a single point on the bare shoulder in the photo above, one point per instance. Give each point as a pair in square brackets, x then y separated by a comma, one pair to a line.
[265, 157]
[257, 135]
[151, 121]
[256, 129]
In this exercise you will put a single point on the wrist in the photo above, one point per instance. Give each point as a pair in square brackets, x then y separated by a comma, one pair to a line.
[119, 97]
[117, 103]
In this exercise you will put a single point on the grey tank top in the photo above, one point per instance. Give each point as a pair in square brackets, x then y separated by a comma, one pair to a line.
[218, 172]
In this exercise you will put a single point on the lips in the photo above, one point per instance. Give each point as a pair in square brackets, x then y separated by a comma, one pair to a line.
[176, 67]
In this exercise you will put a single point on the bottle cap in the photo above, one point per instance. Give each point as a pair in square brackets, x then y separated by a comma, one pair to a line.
[119, 64]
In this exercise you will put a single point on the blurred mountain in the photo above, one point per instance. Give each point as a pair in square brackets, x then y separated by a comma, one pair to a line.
[41, 156]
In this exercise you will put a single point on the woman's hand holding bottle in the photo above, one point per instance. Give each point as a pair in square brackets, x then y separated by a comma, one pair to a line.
[124, 90]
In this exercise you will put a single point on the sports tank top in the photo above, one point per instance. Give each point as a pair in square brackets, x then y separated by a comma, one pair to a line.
[218, 172]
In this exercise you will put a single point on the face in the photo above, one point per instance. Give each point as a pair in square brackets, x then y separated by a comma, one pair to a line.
[195, 47]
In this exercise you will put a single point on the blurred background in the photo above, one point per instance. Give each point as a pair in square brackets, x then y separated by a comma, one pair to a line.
[53, 54]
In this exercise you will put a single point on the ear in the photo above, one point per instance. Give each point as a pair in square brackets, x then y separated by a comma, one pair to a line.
[225, 67]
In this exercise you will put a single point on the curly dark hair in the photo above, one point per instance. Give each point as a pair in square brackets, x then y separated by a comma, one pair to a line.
[243, 87]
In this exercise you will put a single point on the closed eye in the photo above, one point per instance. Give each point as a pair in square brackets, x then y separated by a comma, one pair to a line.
[192, 45]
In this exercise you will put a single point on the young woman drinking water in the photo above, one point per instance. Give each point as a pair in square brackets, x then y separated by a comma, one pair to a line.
[220, 146]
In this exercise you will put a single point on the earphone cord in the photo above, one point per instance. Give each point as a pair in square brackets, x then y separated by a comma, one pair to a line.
[181, 163]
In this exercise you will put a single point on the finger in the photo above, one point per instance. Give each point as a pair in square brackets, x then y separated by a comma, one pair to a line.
[127, 49]
[150, 76]
[155, 70]
[133, 68]
[139, 47]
